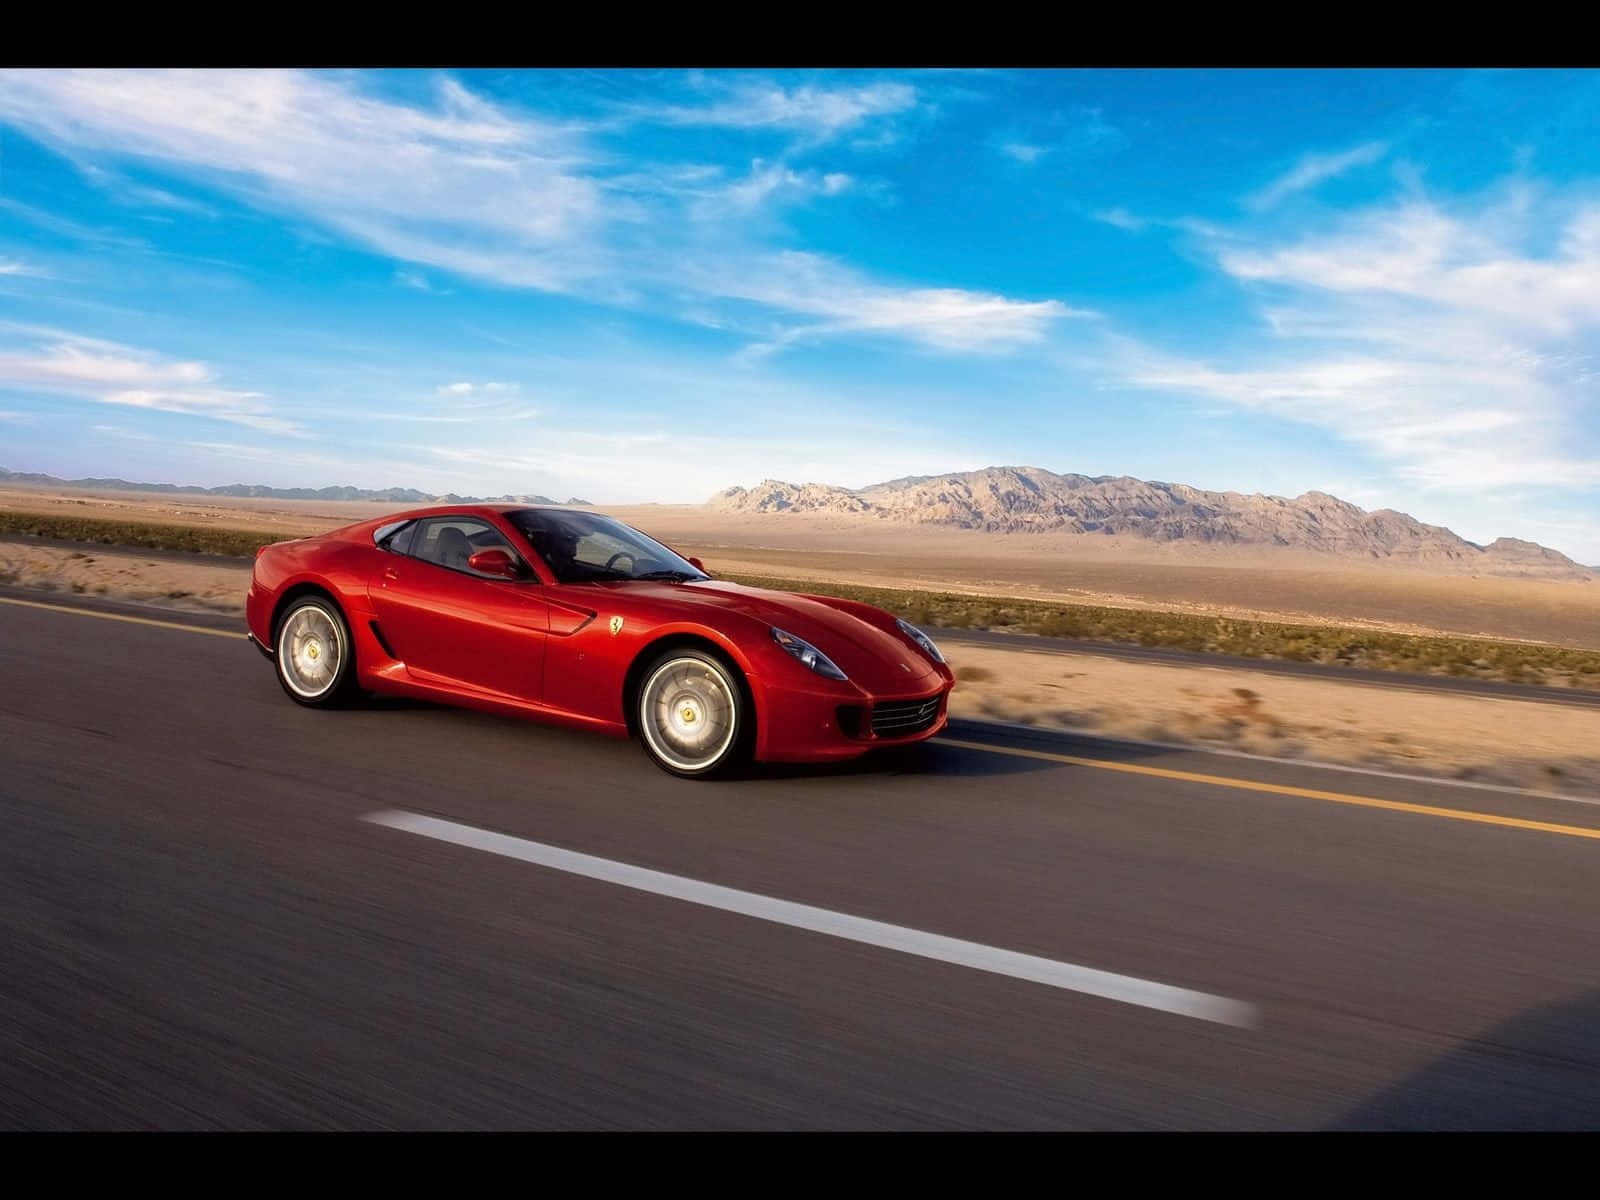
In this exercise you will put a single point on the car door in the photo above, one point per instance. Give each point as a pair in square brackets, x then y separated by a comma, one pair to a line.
[450, 624]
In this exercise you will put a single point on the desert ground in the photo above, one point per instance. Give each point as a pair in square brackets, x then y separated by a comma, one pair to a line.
[1119, 573]
[1525, 744]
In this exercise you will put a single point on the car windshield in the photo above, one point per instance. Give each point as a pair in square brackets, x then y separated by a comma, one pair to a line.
[584, 547]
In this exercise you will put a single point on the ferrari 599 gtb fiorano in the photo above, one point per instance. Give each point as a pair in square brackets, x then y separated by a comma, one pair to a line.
[573, 617]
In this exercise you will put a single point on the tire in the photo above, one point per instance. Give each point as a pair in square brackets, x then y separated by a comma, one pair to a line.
[694, 717]
[310, 631]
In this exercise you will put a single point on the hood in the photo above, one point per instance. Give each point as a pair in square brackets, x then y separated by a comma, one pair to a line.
[873, 658]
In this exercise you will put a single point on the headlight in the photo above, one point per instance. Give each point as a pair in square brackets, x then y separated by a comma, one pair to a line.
[920, 638]
[807, 653]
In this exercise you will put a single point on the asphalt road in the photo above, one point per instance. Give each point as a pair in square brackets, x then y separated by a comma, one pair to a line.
[201, 926]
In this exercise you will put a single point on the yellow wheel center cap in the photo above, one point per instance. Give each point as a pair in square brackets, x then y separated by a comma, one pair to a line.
[312, 651]
[688, 715]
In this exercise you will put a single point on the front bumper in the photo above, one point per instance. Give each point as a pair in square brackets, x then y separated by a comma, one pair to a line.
[818, 727]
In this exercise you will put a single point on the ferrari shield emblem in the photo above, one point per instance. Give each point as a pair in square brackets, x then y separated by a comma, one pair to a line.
[616, 626]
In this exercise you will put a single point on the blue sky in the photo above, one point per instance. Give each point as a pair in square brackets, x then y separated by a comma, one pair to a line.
[649, 285]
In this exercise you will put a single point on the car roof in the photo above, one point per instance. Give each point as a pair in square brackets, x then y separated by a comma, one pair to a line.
[441, 510]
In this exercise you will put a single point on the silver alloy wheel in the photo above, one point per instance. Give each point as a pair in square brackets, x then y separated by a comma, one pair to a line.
[310, 650]
[689, 713]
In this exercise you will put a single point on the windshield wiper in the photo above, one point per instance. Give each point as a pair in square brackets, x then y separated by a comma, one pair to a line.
[675, 576]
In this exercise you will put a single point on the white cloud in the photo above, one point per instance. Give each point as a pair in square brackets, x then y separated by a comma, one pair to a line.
[819, 113]
[466, 388]
[121, 433]
[109, 373]
[1313, 169]
[413, 279]
[1418, 252]
[501, 195]
[1122, 219]
[840, 301]
[15, 266]
[1023, 152]
[400, 179]
[1434, 339]
[767, 181]
[1075, 131]
[126, 191]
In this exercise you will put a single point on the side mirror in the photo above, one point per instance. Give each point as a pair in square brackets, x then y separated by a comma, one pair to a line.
[494, 562]
[697, 564]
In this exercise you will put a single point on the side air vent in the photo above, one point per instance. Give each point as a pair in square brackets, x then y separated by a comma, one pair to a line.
[378, 633]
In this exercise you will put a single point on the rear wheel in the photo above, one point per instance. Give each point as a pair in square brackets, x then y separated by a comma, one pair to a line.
[693, 717]
[314, 655]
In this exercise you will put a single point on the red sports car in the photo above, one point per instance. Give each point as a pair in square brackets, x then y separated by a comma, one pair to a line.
[573, 617]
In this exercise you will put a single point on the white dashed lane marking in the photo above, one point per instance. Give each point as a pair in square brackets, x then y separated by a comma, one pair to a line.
[1125, 989]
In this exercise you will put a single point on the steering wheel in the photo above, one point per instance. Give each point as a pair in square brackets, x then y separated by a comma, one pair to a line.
[617, 555]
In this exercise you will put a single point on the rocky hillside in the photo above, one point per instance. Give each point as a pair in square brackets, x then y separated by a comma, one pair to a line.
[1029, 499]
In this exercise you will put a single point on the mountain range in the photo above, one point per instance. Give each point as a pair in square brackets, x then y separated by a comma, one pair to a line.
[1033, 500]
[403, 495]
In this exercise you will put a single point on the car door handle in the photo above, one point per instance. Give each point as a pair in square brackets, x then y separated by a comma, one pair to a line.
[390, 574]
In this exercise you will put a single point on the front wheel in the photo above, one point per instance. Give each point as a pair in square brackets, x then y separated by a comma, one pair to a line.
[315, 658]
[694, 719]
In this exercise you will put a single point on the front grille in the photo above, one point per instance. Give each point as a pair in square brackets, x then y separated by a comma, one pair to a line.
[900, 718]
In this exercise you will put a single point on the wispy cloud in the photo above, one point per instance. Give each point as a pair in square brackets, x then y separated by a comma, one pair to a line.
[1436, 339]
[767, 180]
[819, 113]
[121, 433]
[487, 404]
[1130, 222]
[126, 191]
[468, 388]
[840, 301]
[109, 373]
[1063, 134]
[499, 194]
[413, 279]
[1023, 152]
[1314, 169]
[15, 266]
[1122, 219]
[398, 178]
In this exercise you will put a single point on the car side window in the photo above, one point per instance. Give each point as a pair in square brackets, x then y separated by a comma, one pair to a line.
[396, 538]
[451, 541]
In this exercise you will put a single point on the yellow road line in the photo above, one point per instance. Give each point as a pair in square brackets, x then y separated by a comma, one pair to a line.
[1280, 789]
[89, 612]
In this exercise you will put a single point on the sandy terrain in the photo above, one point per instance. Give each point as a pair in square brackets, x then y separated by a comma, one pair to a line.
[1546, 747]
[194, 584]
[1197, 579]
[1525, 744]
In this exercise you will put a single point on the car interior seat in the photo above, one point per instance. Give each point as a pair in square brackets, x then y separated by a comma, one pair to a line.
[454, 548]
